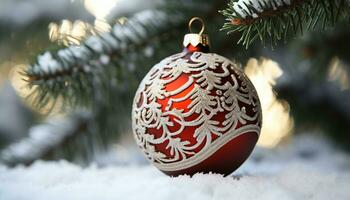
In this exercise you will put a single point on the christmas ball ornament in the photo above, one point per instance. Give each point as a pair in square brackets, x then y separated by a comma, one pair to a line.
[196, 112]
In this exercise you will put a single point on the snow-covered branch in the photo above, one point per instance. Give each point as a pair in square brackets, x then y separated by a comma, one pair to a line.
[274, 20]
[45, 138]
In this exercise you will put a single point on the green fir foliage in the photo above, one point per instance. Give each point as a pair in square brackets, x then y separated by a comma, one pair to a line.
[272, 20]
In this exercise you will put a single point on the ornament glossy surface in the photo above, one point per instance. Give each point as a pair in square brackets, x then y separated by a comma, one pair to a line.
[196, 112]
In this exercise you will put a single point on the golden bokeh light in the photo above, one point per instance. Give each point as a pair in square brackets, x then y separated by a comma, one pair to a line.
[100, 8]
[277, 122]
[18, 80]
[338, 73]
[73, 32]
[68, 33]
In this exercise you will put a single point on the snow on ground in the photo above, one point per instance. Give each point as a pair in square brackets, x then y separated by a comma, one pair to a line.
[307, 169]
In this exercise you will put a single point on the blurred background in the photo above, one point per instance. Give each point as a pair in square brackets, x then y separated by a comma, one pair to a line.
[55, 104]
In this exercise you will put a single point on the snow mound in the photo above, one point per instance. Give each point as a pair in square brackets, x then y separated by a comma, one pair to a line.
[309, 170]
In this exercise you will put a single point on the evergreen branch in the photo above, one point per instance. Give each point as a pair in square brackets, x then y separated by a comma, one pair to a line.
[77, 73]
[273, 20]
[43, 140]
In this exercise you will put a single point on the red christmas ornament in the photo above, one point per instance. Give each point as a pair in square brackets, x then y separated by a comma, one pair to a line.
[196, 112]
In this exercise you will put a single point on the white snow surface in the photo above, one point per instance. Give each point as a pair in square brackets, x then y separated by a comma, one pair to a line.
[307, 169]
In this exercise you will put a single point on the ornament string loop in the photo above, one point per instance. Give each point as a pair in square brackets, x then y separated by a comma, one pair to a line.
[196, 19]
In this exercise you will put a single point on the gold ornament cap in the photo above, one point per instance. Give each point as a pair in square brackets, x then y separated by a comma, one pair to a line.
[196, 39]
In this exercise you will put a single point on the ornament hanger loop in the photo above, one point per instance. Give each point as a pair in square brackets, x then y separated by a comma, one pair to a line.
[196, 19]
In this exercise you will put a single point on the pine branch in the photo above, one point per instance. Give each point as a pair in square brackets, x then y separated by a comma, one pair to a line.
[43, 140]
[78, 73]
[274, 20]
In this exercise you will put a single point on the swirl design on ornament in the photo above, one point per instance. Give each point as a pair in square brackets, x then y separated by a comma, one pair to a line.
[189, 105]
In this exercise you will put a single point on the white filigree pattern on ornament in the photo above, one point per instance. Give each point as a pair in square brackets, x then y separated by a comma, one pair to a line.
[211, 94]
